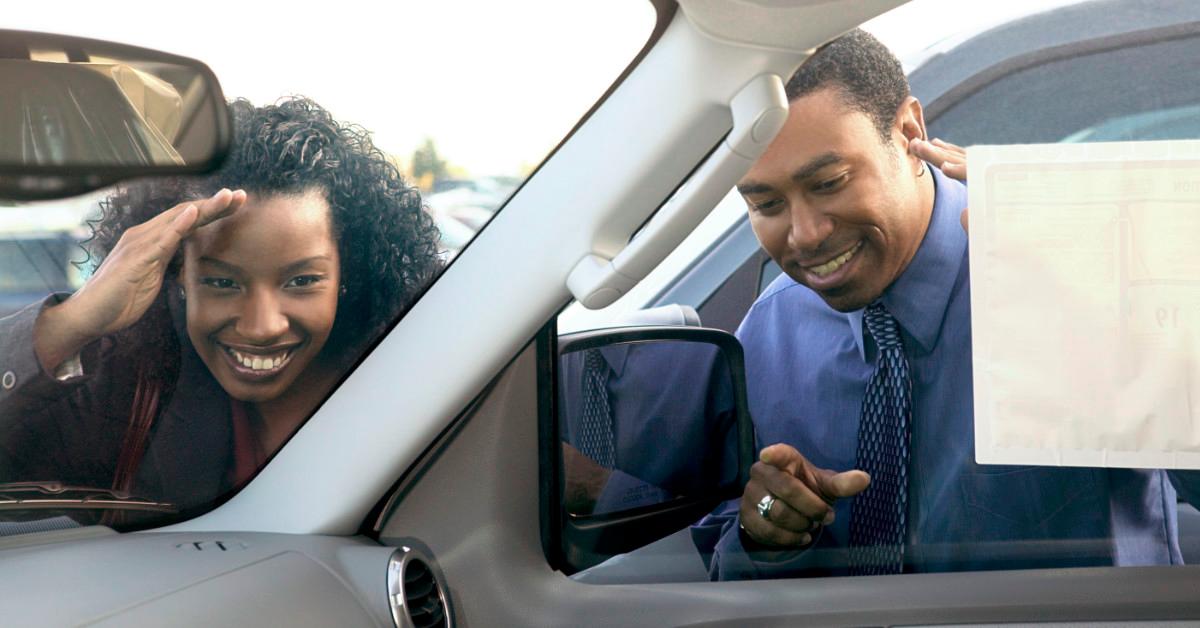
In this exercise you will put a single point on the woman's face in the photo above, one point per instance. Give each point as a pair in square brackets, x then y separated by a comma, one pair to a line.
[262, 290]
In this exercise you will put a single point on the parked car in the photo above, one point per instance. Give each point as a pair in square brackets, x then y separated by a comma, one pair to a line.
[38, 249]
[424, 490]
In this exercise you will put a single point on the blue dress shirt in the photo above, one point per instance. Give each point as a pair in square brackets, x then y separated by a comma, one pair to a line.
[807, 367]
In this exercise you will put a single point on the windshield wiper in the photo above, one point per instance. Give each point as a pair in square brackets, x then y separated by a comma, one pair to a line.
[56, 495]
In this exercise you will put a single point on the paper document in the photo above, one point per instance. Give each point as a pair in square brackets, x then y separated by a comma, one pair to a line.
[1085, 303]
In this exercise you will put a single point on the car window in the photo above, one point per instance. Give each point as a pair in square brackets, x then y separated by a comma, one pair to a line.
[1059, 90]
[1026, 106]
[146, 379]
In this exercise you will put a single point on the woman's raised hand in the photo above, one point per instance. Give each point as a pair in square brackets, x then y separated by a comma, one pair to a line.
[126, 283]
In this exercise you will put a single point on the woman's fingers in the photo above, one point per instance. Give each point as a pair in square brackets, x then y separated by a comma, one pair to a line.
[208, 210]
[180, 226]
[219, 205]
[950, 147]
[955, 170]
[951, 159]
[165, 231]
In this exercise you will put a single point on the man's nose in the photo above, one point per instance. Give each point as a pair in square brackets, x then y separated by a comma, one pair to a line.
[810, 227]
[261, 319]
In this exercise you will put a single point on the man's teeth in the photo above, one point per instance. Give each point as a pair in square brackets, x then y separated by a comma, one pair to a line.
[835, 263]
[258, 362]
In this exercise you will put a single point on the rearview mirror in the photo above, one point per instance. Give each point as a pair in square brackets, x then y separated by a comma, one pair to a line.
[652, 433]
[79, 114]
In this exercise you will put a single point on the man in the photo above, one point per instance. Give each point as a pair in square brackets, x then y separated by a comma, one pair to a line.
[858, 362]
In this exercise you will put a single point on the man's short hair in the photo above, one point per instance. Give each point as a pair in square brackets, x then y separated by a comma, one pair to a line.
[868, 76]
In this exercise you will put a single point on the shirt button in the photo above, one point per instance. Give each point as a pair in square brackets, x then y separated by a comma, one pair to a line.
[8, 380]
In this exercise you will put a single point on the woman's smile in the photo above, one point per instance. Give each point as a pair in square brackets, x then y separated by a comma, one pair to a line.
[262, 293]
[257, 364]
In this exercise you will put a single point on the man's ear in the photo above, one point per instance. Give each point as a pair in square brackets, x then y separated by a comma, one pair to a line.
[910, 122]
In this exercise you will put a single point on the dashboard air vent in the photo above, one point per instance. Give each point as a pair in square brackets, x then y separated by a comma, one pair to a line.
[415, 592]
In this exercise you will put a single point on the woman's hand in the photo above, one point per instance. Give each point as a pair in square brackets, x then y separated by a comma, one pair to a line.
[126, 283]
[950, 158]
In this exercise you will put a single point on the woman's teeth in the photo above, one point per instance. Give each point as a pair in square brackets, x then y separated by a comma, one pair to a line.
[258, 362]
[835, 263]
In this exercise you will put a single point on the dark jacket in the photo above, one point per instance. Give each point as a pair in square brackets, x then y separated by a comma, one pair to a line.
[72, 431]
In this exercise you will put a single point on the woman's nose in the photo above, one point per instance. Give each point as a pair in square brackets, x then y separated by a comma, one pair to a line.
[261, 318]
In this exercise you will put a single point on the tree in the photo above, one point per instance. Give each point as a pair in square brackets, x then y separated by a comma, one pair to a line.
[425, 162]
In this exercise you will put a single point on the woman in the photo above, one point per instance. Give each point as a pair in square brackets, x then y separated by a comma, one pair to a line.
[221, 313]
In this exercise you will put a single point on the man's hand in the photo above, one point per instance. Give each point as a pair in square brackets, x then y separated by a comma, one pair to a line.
[804, 496]
[585, 479]
[950, 158]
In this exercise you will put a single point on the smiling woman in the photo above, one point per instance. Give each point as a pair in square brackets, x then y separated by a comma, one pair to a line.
[222, 311]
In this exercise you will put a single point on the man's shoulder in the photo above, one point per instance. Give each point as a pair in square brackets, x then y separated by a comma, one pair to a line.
[784, 300]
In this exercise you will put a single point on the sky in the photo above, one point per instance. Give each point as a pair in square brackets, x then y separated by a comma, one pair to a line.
[473, 75]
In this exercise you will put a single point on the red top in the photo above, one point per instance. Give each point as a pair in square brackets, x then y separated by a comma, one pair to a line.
[248, 453]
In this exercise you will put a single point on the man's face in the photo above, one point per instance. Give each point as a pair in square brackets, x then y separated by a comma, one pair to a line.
[839, 210]
[262, 292]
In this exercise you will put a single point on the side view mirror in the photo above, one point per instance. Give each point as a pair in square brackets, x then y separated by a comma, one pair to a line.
[650, 432]
[79, 114]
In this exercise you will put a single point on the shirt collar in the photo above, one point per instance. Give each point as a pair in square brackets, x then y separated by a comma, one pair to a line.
[616, 355]
[919, 297]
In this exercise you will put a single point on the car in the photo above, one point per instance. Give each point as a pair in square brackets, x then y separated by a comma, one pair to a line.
[38, 249]
[423, 490]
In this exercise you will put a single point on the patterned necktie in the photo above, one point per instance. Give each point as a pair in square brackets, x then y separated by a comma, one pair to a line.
[878, 516]
[596, 433]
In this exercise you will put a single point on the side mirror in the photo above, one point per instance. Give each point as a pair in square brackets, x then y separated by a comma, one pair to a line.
[78, 114]
[650, 432]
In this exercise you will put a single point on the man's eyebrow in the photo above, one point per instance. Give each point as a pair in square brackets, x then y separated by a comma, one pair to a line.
[753, 187]
[809, 169]
[816, 164]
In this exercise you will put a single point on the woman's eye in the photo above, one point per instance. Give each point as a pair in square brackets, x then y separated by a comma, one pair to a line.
[220, 283]
[303, 281]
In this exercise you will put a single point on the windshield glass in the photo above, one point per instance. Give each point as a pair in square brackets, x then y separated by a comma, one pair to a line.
[163, 338]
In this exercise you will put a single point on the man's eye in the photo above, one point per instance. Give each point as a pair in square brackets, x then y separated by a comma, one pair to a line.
[304, 281]
[767, 207]
[220, 283]
[830, 185]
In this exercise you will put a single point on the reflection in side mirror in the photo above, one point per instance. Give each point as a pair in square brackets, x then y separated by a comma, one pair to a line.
[78, 114]
[653, 433]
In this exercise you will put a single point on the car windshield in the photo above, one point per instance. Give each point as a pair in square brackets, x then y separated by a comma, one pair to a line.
[145, 381]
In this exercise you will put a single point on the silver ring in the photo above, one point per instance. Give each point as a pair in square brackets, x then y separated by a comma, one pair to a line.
[764, 506]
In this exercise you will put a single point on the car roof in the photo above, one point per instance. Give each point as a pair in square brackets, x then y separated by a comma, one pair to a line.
[1021, 41]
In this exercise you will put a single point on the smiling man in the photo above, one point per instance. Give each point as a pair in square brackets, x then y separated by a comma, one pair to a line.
[858, 364]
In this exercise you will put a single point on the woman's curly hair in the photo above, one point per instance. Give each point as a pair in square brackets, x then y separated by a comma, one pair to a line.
[387, 244]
